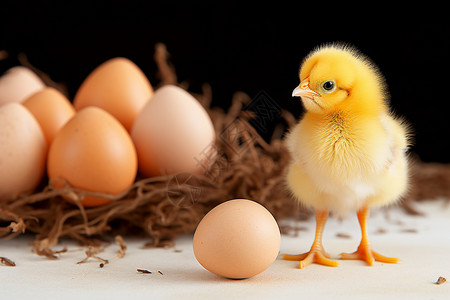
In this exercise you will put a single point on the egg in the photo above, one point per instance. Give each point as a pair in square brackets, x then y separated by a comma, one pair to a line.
[237, 239]
[93, 152]
[117, 86]
[173, 134]
[22, 151]
[17, 84]
[51, 109]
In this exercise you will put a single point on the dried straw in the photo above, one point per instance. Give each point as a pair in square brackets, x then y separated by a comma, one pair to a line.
[164, 207]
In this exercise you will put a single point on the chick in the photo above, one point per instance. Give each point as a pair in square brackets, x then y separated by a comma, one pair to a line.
[348, 151]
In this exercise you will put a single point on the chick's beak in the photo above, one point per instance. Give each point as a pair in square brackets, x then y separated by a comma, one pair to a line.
[303, 90]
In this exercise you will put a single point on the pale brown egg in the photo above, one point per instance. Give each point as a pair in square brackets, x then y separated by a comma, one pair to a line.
[173, 134]
[117, 86]
[237, 239]
[17, 84]
[51, 109]
[22, 151]
[93, 152]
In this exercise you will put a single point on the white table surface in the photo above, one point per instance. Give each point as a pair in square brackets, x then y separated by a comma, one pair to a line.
[422, 243]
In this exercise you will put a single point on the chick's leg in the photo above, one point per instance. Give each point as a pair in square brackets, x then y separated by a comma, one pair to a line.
[364, 251]
[317, 254]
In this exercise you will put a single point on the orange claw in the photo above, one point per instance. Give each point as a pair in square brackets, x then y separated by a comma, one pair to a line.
[369, 256]
[314, 256]
[317, 254]
[364, 251]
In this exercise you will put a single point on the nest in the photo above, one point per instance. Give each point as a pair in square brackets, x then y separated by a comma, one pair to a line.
[162, 208]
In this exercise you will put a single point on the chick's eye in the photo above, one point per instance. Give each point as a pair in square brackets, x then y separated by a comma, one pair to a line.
[328, 86]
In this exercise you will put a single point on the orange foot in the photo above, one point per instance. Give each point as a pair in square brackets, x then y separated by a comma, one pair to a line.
[365, 251]
[316, 255]
[367, 254]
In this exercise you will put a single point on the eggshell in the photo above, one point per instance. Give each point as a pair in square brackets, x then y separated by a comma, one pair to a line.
[22, 151]
[93, 152]
[237, 239]
[119, 87]
[51, 109]
[17, 84]
[173, 134]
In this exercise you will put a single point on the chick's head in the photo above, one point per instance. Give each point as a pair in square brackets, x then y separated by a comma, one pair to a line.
[337, 78]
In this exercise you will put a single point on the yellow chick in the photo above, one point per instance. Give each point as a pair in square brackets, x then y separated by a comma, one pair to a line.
[348, 151]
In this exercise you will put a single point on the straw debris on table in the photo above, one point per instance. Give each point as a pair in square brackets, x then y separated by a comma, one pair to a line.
[123, 246]
[92, 252]
[7, 262]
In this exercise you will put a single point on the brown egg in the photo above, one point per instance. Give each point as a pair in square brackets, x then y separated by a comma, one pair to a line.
[51, 109]
[22, 151]
[17, 84]
[93, 152]
[119, 87]
[173, 134]
[237, 239]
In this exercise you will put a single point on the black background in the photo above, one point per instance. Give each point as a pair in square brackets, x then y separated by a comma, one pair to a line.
[241, 48]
